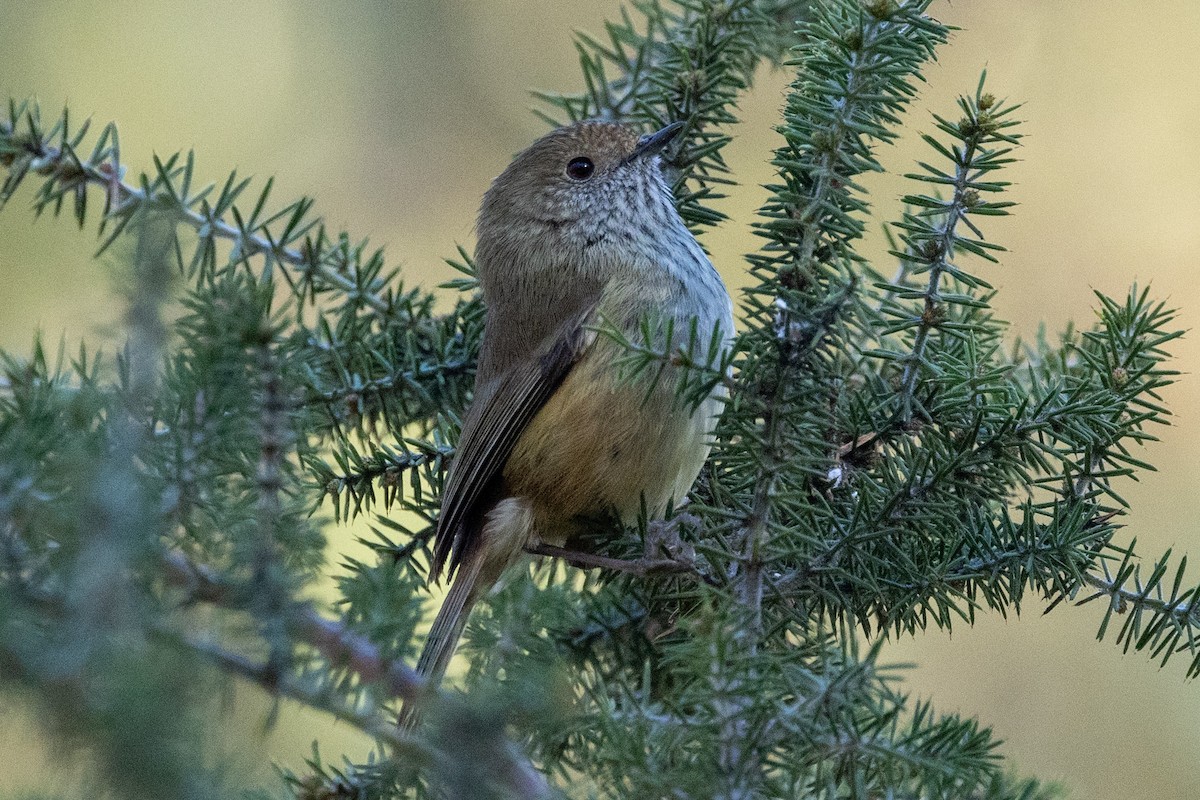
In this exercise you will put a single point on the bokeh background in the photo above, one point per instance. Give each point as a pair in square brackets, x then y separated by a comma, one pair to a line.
[395, 114]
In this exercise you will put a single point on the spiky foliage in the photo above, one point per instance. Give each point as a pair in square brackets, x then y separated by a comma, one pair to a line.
[886, 462]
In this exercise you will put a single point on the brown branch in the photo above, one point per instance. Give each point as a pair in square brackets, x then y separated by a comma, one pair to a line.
[334, 642]
[662, 536]
[265, 676]
[638, 566]
[332, 639]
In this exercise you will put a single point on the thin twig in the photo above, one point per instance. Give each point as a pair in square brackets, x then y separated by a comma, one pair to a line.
[956, 210]
[1184, 614]
[391, 382]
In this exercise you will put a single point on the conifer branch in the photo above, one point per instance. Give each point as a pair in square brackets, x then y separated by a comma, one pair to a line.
[854, 71]
[69, 175]
[931, 233]
[867, 61]
[1164, 621]
[268, 578]
[413, 463]
[350, 395]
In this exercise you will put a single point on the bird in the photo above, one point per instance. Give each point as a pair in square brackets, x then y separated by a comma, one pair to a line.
[579, 232]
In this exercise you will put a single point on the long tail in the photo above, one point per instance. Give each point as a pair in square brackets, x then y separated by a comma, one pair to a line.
[447, 628]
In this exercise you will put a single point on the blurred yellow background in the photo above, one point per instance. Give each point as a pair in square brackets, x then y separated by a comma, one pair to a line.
[395, 115]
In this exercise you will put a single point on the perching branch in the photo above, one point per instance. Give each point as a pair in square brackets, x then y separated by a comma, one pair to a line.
[642, 567]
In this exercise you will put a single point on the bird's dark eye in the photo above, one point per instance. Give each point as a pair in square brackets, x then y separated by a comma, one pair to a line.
[580, 168]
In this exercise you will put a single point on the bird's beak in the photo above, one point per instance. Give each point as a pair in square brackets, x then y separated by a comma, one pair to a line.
[654, 143]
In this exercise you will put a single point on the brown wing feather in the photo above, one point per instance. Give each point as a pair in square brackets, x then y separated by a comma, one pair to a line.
[498, 416]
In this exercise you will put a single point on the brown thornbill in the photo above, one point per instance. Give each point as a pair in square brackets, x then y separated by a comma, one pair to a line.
[580, 230]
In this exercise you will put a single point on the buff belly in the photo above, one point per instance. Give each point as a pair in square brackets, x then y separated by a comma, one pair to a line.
[600, 445]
